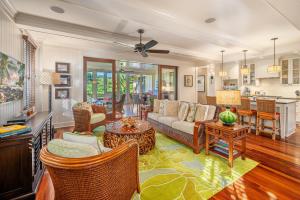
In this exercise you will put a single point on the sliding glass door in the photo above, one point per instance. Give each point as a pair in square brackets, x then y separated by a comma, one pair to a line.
[99, 79]
[167, 82]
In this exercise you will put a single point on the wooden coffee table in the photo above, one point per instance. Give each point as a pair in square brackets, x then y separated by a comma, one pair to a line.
[116, 134]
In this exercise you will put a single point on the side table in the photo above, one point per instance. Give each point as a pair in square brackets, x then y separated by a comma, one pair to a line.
[144, 109]
[216, 131]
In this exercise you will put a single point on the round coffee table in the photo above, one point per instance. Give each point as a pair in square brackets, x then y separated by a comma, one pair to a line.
[116, 134]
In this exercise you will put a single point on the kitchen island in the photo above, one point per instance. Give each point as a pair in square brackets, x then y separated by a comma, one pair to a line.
[287, 110]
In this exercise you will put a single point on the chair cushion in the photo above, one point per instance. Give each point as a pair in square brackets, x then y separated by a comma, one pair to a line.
[184, 126]
[68, 149]
[211, 112]
[167, 120]
[201, 112]
[97, 117]
[154, 116]
[171, 108]
[156, 104]
[85, 139]
[183, 111]
[192, 111]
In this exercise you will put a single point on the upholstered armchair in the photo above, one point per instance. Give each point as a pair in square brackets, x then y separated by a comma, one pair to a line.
[109, 176]
[87, 117]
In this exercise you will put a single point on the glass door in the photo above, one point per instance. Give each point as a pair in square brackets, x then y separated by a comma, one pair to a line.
[167, 82]
[99, 83]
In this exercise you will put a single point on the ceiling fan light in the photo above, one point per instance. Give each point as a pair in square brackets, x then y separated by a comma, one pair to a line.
[274, 69]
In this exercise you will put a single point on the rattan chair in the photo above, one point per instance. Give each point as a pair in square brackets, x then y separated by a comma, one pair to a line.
[112, 175]
[244, 110]
[266, 110]
[82, 118]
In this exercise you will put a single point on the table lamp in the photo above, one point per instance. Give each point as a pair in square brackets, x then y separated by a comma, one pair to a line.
[228, 98]
[49, 78]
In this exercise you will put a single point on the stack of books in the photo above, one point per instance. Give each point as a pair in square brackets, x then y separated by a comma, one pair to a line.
[13, 130]
[221, 147]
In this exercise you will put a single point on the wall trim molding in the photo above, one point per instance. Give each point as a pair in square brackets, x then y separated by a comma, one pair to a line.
[8, 9]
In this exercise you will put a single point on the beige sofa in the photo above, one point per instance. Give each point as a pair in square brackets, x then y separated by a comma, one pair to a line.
[183, 121]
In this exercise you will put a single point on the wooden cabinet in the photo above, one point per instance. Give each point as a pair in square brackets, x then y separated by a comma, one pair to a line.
[249, 79]
[20, 165]
[290, 72]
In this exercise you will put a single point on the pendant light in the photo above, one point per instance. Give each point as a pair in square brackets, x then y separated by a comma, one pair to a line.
[245, 70]
[222, 73]
[274, 68]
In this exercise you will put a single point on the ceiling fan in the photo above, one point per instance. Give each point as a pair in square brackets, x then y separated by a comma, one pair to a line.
[144, 49]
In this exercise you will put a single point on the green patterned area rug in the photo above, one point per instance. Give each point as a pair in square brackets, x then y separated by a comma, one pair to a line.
[172, 171]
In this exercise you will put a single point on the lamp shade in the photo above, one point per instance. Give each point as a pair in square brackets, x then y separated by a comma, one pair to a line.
[45, 78]
[49, 78]
[274, 69]
[228, 97]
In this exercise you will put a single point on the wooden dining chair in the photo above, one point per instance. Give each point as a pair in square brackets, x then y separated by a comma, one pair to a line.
[244, 110]
[266, 110]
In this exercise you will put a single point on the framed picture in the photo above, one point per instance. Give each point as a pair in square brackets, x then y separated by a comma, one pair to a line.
[201, 83]
[188, 80]
[65, 81]
[62, 93]
[62, 67]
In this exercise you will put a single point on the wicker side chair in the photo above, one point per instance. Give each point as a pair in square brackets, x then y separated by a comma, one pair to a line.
[82, 118]
[112, 175]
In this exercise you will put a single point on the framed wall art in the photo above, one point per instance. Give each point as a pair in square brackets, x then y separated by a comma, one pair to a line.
[65, 81]
[201, 83]
[188, 80]
[62, 67]
[62, 93]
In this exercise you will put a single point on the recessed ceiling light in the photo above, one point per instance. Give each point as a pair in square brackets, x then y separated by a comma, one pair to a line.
[210, 20]
[57, 9]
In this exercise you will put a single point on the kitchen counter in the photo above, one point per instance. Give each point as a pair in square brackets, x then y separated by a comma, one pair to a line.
[287, 110]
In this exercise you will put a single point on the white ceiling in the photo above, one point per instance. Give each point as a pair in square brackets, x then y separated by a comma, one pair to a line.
[176, 24]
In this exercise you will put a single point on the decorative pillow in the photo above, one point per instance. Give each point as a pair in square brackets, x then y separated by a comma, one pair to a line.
[85, 139]
[156, 105]
[201, 112]
[192, 111]
[171, 108]
[211, 112]
[183, 111]
[87, 106]
[161, 106]
[71, 149]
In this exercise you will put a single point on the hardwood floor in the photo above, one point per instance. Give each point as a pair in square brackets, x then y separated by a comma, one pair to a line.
[276, 177]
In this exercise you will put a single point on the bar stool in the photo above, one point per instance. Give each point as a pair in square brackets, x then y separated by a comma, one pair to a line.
[211, 100]
[244, 110]
[266, 110]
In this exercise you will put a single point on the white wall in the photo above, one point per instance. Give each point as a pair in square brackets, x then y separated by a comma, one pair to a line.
[62, 108]
[10, 44]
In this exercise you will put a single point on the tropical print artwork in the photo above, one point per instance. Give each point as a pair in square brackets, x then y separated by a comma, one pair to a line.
[11, 79]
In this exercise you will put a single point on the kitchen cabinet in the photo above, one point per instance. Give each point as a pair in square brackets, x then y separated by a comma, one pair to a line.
[249, 79]
[290, 71]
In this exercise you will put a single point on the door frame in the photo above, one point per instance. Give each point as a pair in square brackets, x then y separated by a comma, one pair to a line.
[113, 62]
[160, 67]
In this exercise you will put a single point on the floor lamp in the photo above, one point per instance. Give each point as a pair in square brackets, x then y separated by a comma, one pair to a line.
[49, 78]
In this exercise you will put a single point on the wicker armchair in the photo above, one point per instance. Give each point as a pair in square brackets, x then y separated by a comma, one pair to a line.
[111, 175]
[82, 118]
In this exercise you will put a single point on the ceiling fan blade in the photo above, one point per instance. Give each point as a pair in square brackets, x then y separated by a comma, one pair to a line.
[144, 54]
[150, 44]
[158, 51]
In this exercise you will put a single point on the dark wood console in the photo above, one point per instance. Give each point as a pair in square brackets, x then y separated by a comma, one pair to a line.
[20, 166]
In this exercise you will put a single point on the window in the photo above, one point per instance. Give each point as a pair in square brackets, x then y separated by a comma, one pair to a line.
[29, 84]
